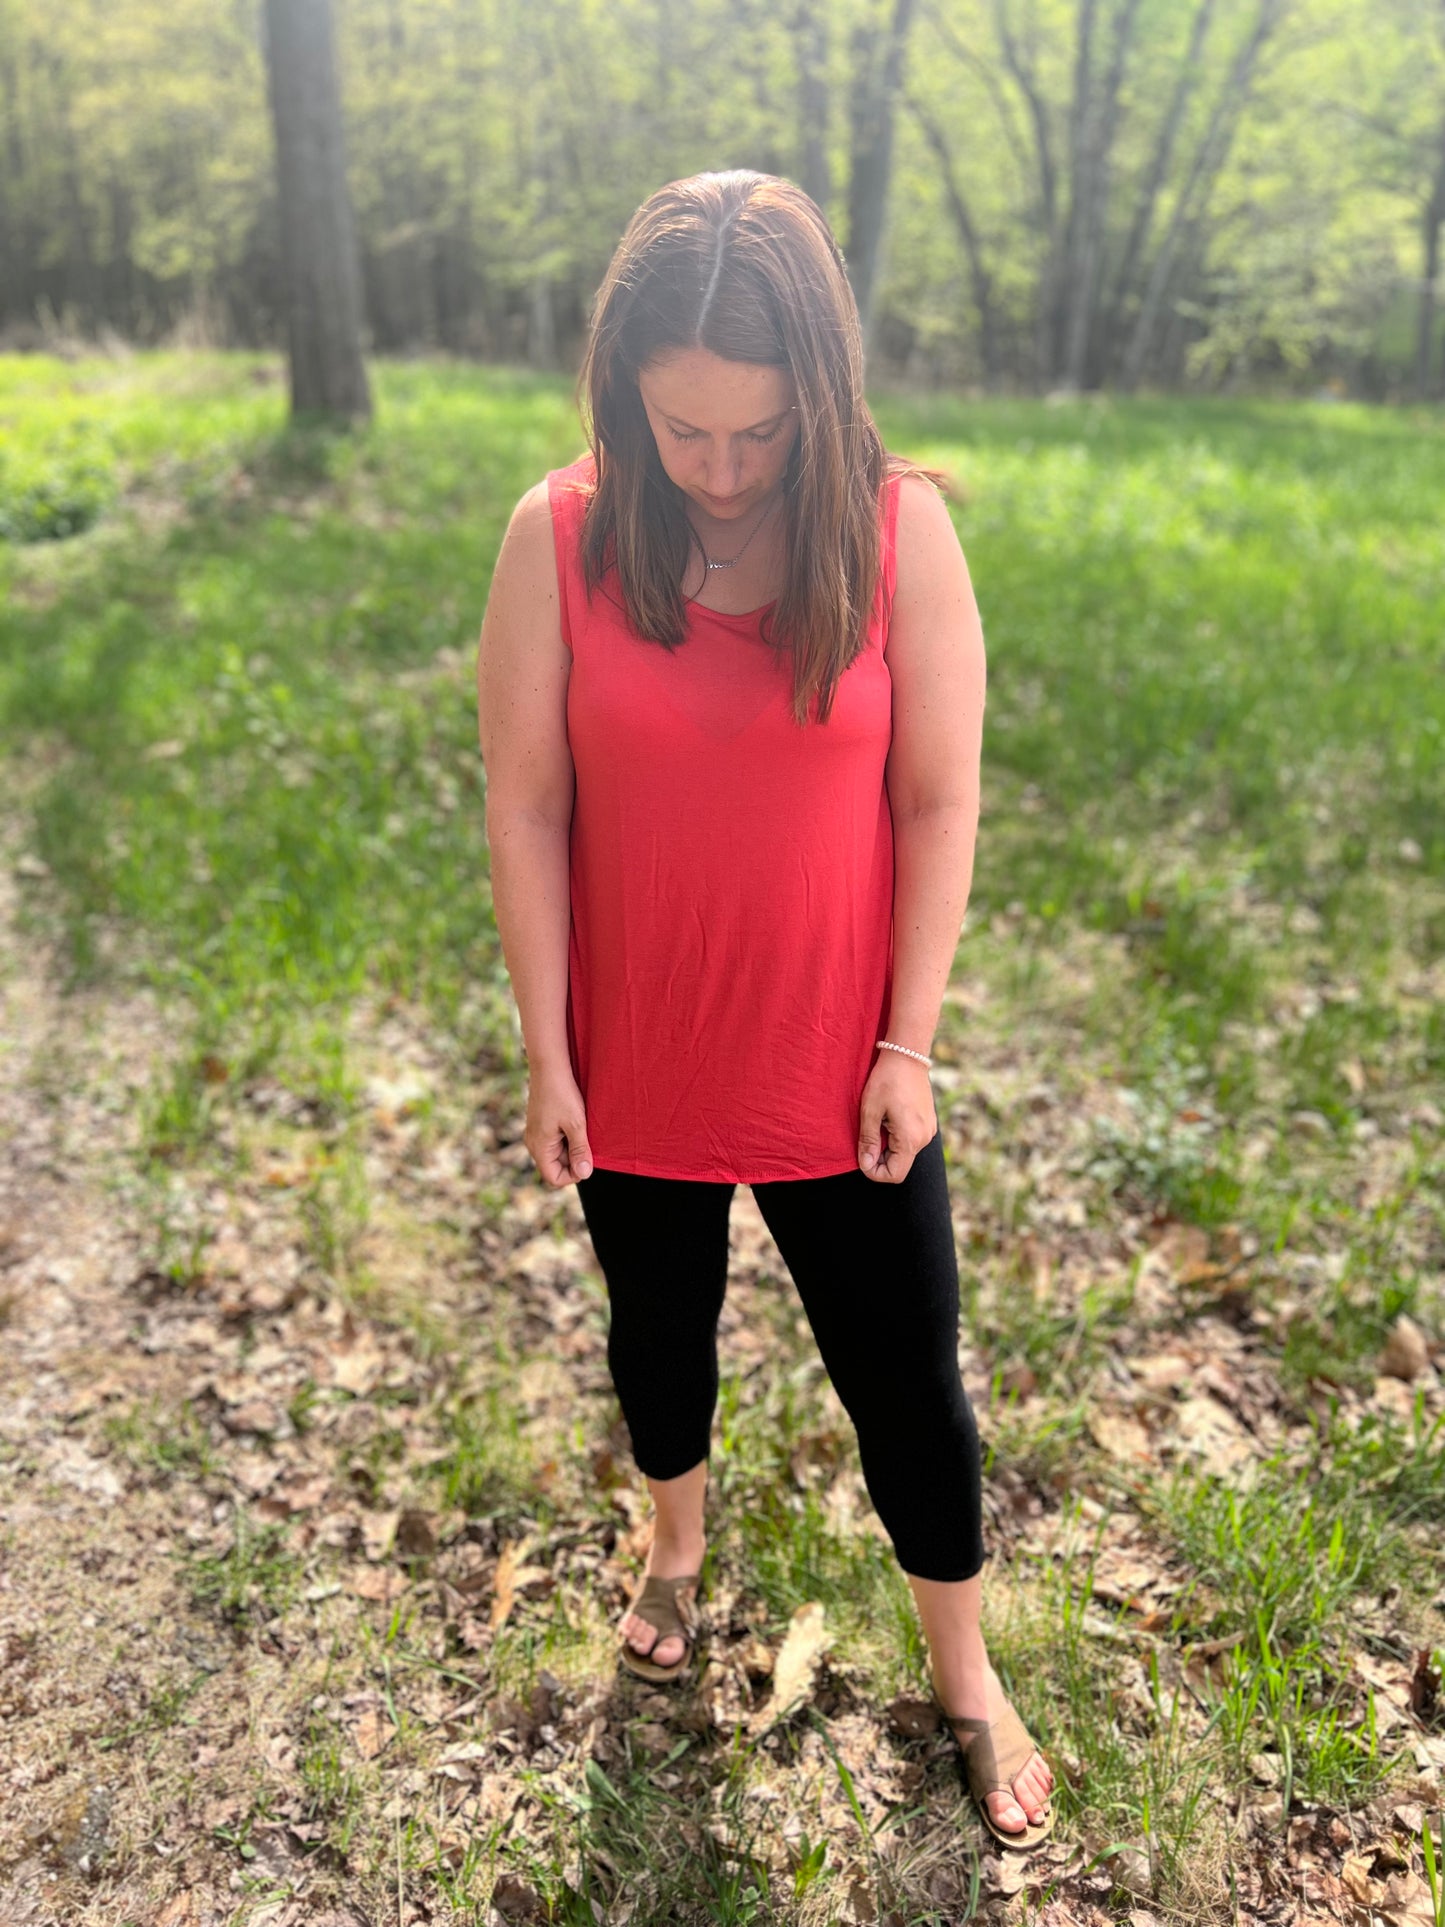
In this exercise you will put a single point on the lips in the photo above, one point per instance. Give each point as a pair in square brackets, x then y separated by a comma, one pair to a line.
[722, 501]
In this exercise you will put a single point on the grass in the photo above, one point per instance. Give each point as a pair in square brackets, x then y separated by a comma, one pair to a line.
[236, 699]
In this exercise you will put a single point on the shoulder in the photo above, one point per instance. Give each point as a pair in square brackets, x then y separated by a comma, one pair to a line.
[934, 610]
[526, 555]
[925, 531]
[929, 561]
[528, 575]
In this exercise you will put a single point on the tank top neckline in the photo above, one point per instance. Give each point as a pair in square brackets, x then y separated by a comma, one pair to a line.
[731, 615]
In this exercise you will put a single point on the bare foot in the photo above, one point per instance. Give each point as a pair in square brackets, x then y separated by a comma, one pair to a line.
[669, 1559]
[986, 1700]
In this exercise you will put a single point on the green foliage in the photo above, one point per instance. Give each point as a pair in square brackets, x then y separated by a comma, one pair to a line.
[48, 497]
[496, 153]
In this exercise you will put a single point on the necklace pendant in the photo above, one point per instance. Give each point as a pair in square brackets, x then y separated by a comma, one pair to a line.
[730, 563]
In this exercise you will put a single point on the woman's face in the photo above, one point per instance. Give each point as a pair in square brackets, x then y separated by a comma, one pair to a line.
[723, 428]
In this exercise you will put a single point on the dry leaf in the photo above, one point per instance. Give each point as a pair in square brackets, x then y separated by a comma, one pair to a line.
[1406, 1354]
[794, 1667]
[503, 1590]
[1121, 1435]
[1181, 1246]
[1405, 1901]
[372, 1733]
[359, 1366]
[1356, 1875]
[1211, 1432]
[415, 1536]
[381, 1583]
[378, 1529]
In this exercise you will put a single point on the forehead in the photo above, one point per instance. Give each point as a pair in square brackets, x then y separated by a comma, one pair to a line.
[699, 387]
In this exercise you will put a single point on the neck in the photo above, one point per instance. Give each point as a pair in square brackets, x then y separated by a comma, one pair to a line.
[717, 525]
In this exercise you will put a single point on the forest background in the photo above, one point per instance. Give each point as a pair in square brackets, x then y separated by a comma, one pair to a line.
[318, 1511]
[1063, 193]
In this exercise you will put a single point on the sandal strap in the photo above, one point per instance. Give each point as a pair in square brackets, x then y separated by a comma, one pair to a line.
[668, 1605]
[995, 1752]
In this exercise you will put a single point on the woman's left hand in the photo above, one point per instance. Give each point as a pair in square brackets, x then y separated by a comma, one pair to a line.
[897, 1103]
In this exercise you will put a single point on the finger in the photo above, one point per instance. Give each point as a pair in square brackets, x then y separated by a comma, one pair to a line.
[551, 1160]
[579, 1155]
[870, 1139]
[896, 1164]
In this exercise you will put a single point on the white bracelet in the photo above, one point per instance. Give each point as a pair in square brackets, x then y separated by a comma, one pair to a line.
[883, 1044]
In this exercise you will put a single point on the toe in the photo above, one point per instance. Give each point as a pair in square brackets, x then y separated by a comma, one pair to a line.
[1008, 1813]
[1032, 1789]
[641, 1637]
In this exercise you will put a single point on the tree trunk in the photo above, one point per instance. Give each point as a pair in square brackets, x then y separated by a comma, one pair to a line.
[1189, 209]
[1101, 126]
[1434, 217]
[1027, 84]
[320, 269]
[1143, 221]
[876, 83]
[963, 220]
[810, 34]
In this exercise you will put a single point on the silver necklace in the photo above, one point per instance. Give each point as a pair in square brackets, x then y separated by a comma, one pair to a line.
[733, 560]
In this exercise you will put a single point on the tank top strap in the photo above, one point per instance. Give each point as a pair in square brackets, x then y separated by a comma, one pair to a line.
[888, 572]
[569, 490]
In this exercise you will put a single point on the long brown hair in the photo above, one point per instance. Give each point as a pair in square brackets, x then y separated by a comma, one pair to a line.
[745, 265]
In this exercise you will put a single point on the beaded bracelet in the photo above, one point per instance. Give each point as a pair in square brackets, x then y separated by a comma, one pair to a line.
[883, 1044]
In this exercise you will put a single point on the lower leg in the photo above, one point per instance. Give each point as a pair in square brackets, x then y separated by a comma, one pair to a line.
[678, 1545]
[968, 1688]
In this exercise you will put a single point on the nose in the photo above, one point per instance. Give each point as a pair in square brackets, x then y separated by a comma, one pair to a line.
[724, 475]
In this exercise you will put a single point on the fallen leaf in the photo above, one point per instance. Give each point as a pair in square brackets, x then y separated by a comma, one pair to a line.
[1405, 1901]
[381, 1583]
[1121, 1436]
[415, 1535]
[372, 1733]
[1407, 1353]
[794, 1667]
[378, 1529]
[503, 1591]
[359, 1366]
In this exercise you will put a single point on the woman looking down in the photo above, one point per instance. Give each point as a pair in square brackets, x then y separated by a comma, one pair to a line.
[731, 691]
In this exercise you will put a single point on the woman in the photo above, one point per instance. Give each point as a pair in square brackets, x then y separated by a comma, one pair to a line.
[731, 690]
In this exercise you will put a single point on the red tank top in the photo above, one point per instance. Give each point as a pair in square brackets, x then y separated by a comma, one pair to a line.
[730, 963]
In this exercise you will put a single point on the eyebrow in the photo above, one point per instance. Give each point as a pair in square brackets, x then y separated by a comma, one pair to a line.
[680, 423]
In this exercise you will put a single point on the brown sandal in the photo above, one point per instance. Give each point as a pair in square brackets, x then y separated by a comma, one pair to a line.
[995, 1752]
[670, 1606]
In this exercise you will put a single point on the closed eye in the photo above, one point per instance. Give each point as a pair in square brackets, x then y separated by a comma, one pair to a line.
[771, 436]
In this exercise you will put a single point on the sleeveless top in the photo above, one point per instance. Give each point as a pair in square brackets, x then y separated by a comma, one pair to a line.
[730, 963]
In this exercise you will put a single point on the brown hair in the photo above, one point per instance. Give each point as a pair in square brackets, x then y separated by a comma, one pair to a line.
[742, 264]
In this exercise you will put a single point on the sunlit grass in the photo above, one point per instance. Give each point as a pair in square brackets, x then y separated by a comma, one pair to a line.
[236, 697]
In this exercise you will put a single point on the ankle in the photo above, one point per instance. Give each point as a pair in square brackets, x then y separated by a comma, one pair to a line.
[671, 1544]
[966, 1670]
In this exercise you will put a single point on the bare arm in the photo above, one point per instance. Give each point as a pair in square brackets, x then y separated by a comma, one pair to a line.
[937, 662]
[523, 666]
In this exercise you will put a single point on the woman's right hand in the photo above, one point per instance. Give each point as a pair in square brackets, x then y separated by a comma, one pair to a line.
[556, 1129]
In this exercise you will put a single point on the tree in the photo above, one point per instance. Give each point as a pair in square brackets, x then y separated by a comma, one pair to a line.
[879, 53]
[320, 269]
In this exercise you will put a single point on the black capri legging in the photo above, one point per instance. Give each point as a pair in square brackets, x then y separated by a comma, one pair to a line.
[876, 1270]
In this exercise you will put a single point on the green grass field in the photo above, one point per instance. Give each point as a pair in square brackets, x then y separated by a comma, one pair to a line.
[1190, 1078]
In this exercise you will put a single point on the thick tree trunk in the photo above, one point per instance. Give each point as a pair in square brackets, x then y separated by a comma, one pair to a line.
[810, 35]
[320, 269]
[876, 83]
[1099, 128]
